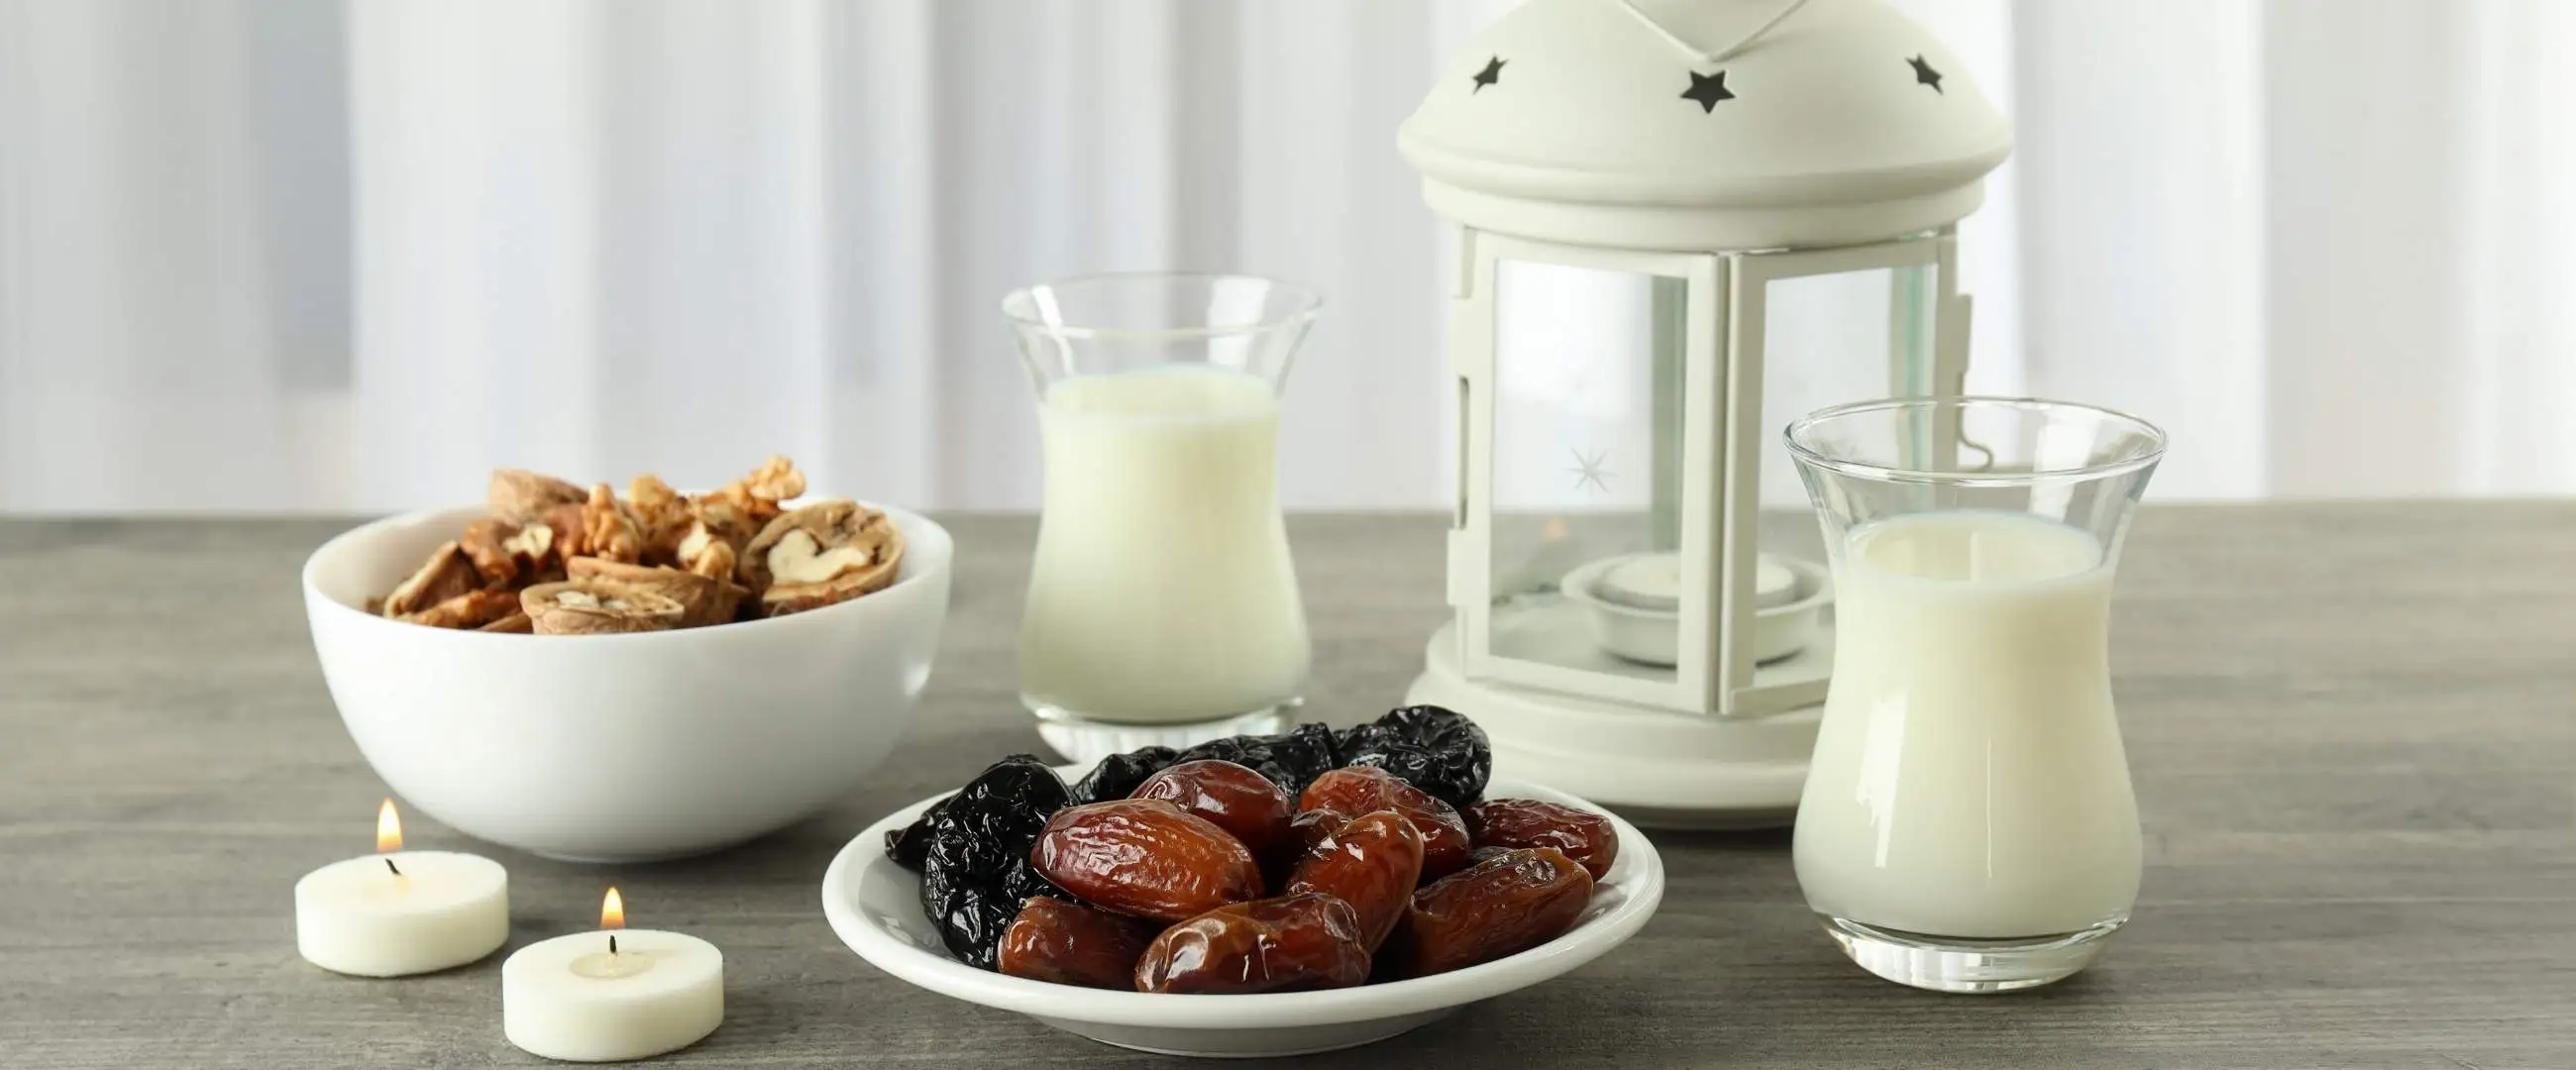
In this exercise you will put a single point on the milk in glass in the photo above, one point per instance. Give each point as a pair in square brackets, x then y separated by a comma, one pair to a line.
[1968, 778]
[1162, 590]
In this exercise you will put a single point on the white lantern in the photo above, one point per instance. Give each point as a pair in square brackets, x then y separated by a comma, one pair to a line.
[1684, 223]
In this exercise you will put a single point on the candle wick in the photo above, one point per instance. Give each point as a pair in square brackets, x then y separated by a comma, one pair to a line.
[389, 864]
[612, 943]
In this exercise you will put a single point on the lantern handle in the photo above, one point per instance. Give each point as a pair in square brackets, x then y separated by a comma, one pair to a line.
[1721, 55]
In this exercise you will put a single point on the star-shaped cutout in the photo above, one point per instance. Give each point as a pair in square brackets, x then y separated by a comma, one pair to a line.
[1708, 89]
[1925, 75]
[1589, 473]
[1492, 73]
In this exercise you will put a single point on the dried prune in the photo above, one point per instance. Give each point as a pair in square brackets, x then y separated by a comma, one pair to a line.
[1584, 836]
[1365, 789]
[1070, 944]
[1116, 776]
[974, 854]
[970, 919]
[1437, 750]
[1502, 906]
[1294, 942]
[1372, 862]
[1290, 759]
[1238, 800]
[909, 846]
[1145, 857]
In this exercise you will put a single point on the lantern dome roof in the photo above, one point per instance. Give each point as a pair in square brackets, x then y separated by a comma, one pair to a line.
[1705, 124]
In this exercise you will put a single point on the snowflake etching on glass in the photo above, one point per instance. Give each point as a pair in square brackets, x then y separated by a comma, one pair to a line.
[1589, 471]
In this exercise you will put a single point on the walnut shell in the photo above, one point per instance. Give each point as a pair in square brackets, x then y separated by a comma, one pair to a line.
[518, 496]
[510, 555]
[703, 600]
[819, 554]
[473, 609]
[447, 574]
[597, 607]
[517, 623]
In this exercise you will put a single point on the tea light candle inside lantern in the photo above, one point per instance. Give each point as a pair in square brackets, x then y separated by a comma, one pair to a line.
[1654, 582]
[401, 912]
[612, 995]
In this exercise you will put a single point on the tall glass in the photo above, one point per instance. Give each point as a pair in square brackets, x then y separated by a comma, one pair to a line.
[1162, 605]
[1967, 824]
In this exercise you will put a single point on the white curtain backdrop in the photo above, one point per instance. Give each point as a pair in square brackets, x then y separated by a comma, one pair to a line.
[291, 254]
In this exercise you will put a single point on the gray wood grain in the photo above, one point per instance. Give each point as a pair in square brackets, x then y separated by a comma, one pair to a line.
[2353, 729]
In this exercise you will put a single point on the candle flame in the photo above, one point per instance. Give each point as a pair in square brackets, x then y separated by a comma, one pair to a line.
[612, 911]
[388, 828]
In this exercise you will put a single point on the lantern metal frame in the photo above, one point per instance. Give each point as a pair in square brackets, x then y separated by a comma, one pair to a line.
[1732, 144]
[1721, 437]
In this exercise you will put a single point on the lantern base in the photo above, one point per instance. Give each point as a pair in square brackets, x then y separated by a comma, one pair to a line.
[1656, 767]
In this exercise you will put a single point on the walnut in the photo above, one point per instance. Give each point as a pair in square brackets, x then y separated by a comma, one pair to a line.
[473, 609]
[739, 509]
[509, 555]
[703, 600]
[608, 529]
[704, 552]
[776, 480]
[482, 545]
[518, 496]
[447, 574]
[597, 607]
[820, 554]
[516, 623]
[663, 516]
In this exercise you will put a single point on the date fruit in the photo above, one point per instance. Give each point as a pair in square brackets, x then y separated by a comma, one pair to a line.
[1372, 862]
[1502, 906]
[1072, 944]
[1314, 828]
[1294, 942]
[1584, 836]
[1242, 802]
[1367, 789]
[1145, 857]
[1437, 750]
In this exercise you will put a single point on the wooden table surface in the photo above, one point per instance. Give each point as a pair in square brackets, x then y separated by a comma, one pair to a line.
[2353, 729]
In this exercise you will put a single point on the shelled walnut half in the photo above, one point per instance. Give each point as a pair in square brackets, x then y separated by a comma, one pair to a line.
[820, 554]
[608, 529]
[597, 607]
[703, 600]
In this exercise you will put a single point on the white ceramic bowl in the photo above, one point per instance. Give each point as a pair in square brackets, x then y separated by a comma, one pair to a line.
[875, 906]
[621, 747]
[1653, 636]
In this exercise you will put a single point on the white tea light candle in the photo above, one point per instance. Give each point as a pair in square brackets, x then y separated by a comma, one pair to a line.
[401, 912]
[612, 995]
[1653, 582]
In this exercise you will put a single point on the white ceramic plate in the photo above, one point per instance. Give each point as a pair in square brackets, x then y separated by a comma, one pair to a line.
[875, 906]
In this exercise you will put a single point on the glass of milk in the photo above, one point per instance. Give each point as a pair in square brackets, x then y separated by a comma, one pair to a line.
[1162, 606]
[1967, 823]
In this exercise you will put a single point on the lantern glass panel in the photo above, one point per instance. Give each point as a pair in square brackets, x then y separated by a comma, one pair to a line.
[1586, 448]
[1826, 339]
